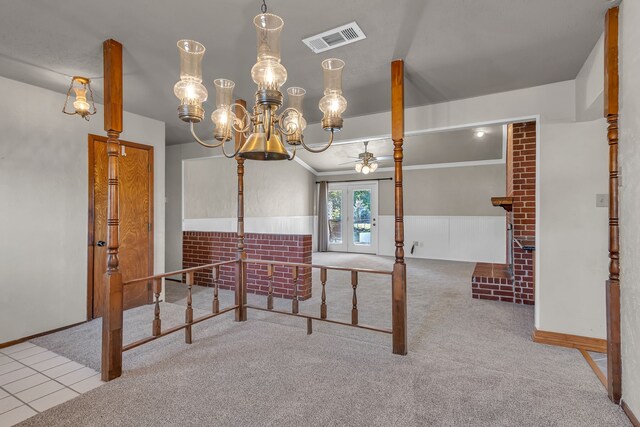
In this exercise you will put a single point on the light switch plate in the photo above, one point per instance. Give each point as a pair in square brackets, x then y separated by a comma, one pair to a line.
[602, 200]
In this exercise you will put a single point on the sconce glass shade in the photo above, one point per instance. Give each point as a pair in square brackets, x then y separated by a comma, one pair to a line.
[191, 54]
[80, 104]
[332, 104]
[83, 105]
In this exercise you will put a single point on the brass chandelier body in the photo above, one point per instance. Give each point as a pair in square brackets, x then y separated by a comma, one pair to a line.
[265, 128]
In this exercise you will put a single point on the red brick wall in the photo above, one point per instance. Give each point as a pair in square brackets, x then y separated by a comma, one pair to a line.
[524, 179]
[205, 247]
[495, 281]
[524, 208]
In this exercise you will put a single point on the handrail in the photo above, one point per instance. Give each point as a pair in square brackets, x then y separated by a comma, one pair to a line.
[328, 267]
[174, 273]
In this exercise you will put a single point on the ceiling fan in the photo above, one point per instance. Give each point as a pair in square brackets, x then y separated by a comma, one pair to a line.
[366, 162]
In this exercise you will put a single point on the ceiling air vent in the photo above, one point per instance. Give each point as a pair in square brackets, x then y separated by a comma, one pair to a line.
[335, 38]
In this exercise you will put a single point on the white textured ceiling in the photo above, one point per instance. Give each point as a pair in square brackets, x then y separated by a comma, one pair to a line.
[453, 49]
[450, 146]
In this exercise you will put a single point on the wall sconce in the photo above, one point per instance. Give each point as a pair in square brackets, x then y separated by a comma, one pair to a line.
[82, 106]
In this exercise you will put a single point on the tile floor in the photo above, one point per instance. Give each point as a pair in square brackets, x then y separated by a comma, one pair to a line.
[34, 379]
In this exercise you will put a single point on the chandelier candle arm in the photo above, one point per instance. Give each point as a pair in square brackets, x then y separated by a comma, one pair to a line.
[201, 142]
[326, 147]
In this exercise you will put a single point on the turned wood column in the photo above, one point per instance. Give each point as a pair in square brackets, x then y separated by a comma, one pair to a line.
[241, 268]
[611, 105]
[399, 278]
[113, 301]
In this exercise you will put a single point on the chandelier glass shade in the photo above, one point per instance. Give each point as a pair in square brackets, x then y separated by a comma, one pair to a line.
[265, 128]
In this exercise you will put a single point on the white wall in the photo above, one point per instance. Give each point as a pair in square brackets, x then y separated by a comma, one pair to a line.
[43, 188]
[590, 85]
[630, 201]
[573, 231]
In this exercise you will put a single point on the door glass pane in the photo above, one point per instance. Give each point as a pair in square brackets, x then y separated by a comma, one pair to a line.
[362, 217]
[334, 210]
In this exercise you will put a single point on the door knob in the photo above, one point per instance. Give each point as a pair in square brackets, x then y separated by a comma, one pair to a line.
[101, 243]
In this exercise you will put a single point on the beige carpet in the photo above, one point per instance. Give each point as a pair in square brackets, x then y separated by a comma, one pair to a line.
[470, 363]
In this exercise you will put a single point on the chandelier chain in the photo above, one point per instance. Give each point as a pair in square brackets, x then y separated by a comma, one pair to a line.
[264, 6]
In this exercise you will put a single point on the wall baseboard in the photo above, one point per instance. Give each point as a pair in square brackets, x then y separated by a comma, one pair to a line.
[630, 414]
[41, 334]
[569, 341]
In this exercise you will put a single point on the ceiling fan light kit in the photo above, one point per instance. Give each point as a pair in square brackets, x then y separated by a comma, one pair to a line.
[264, 128]
[367, 162]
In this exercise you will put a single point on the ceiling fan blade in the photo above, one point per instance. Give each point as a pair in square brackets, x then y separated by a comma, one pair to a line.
[383, 158]
[347, 163]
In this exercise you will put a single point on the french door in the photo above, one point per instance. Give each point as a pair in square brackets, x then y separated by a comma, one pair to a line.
[352, 211]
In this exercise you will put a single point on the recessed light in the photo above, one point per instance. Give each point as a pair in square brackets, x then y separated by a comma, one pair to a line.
[479, 133]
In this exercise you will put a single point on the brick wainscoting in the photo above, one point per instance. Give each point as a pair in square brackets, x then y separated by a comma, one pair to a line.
[205, 247]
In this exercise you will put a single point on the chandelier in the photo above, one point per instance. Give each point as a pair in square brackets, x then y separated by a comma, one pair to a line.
[367, 162]
[264, 128]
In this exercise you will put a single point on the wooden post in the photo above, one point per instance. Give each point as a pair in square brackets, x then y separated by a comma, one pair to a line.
[156, 327]
[611, 88]
[216, 302]
[188, 314]
[270, 293]
[113, 301]
[323, 304]
[294, 301]
[354, 298]
[241, 268]
[399, 277]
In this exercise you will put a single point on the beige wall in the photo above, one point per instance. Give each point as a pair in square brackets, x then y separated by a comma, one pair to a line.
[271, 189]
[456, 191]
[44, 190]
[630, 202]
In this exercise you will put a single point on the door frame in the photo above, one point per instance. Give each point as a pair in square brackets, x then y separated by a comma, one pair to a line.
[346, 186]
[91, 222]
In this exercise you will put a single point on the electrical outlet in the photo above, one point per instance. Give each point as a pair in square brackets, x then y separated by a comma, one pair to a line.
[602, 200]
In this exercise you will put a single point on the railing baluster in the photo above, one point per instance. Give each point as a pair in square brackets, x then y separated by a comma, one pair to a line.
[157, 325]
[323, 305]
[188, 314]
[294, 303]
[309, 326]
[216, 302]
[354, 310]
[270, 270]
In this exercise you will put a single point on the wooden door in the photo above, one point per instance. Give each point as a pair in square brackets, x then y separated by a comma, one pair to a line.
[136, 221]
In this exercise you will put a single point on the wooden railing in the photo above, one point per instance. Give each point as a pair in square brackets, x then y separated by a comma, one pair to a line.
[241, 284]
[295, 274]
[189, 321]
